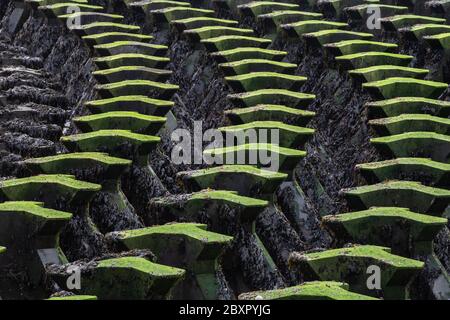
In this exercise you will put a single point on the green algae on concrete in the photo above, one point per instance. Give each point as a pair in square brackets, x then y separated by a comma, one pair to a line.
[132, 121]
[273, 20]
[224, 43]
[148, 88]
[131, 73]
[129, 47]
[324, 37]
[256, 65]
[405, 87]
[313, 290]
[131, 59]
[58, 9]
[286, 159]
[110, 140]
[380, 72]
[265, 80]
[102, 27]
[245, 179]
[297, 29]
[288, 98]
[394, 23]
[415, 144]
[418, 169]
[199, 22]
[149, 5]
[177, 13]
[397, 106]
[408, 194]
[363, 12]
[133, 278]
[350, 265]
[347, 47]
[112, 167]
[288, 135]
[199, 256]
[269, 112]
[84, 18]
[189, 206]
[410, 122]
[256, 8]
[407, 233]
[370, 59]
[417, 32]
[2, 250]
[248, 53]
[108, 37]
[139, 104]
[73, 298]
[439, 41]
[50, 187]
[215, 31]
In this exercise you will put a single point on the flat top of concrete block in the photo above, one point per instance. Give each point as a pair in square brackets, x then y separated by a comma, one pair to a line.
[120, 114]
[108, 24]
[389, 81]
[142, 265]
[108, 34]
[73, 297]
[256, 147]
[96, 156]
[268, 125]
[130, 99]
[388, 212]
[229, 196]
[367, 251]
[125, 83]
[412, 135]
[129, 43]
[406, 161]
[196, 231]
[399, 185]
[308, 290]
[111, 134]
[35, 209]
[404, 117]
[63, 179]
[248, 169]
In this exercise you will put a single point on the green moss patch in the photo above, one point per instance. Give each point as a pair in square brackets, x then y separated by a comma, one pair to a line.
[224, 43]
[323, 37]
[132, 121]
[380, 72]
[397, 106]
[411, 122]
[269, 112]
[137, 87]
[264, 80]
[139, 104]
[255, 8]
[314, 290]
[215, 31]
[297, 29]
[33, 209]
[271, 96]
[256, 65]
[237, 54]
[405, 87]
[370, 59]
[199, 22]
[347, 47]
[289, 135]
[176, 13]
[108, 37]
[394, 23]
[130, 59]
